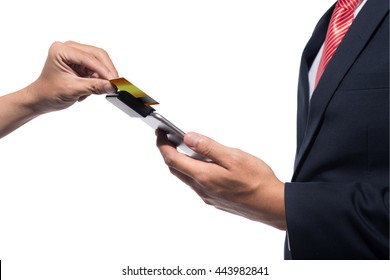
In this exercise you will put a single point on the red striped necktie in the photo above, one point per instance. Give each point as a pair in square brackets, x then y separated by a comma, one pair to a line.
[341, 20]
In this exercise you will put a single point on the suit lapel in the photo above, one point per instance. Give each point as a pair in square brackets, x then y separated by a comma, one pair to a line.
[308, 56]
[349, 49]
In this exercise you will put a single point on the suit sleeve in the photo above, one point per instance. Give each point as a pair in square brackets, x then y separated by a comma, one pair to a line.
[337, 221]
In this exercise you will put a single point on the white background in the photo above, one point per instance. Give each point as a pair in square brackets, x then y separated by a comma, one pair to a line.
[84, 192]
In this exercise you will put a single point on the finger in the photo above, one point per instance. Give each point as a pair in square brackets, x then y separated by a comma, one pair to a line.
[167, 147]
[162, 139]
[198, 170]
[68, 56]
[207, 147]
[192, 184]
[99, 54]
[169, 151]
[202, 192]
[83, 87]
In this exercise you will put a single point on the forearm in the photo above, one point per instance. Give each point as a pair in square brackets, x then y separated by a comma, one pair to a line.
[16, 109]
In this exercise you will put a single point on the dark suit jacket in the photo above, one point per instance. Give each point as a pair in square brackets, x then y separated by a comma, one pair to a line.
[337, 205]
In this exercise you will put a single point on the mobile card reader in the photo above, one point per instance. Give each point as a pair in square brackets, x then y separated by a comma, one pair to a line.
[137, 107]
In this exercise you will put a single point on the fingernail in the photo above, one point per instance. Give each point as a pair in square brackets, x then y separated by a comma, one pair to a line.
[192, 139]
[109, 88]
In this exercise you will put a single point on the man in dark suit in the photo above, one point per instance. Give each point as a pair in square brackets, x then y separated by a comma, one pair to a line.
[337, 204]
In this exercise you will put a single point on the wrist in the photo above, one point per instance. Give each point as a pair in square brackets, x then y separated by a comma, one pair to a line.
[33, 100]
[271, 203]
[279, 208]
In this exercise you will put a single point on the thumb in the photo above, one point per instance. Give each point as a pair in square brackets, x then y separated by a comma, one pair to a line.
[207, 147]
[98, 86]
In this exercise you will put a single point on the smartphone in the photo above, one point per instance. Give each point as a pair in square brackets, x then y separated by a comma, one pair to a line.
[136, 109]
